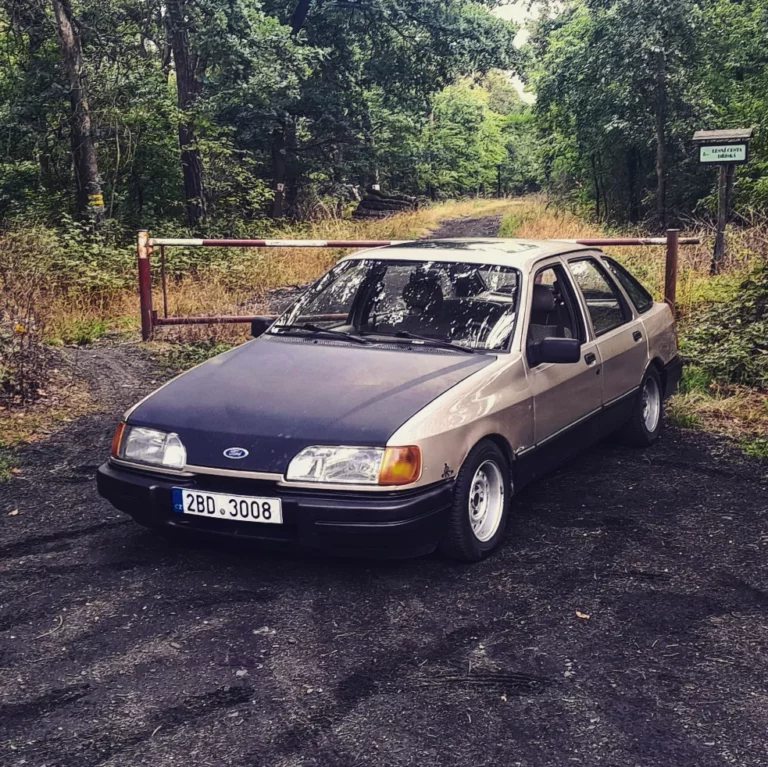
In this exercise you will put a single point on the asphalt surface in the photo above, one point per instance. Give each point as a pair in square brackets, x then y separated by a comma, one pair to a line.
[118, 647]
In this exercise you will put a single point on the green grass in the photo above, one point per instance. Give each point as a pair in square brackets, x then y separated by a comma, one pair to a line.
[684, 420]
[6, 465]
[756, 447]
[695, 380]
[81, 332]
[510, 224]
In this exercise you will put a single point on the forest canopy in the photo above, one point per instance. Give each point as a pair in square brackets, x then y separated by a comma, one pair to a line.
[211, 114]
[622, 85]
[203, 110]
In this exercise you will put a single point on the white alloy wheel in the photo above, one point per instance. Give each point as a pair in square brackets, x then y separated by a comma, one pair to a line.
[486, 501]
[651, 403]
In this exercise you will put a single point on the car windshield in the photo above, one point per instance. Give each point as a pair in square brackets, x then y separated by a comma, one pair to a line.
[467, 304]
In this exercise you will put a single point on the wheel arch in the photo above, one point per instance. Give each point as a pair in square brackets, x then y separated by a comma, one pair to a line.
[661, 369]
[506, 450]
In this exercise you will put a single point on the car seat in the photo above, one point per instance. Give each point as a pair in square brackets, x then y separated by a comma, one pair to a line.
[547, 320]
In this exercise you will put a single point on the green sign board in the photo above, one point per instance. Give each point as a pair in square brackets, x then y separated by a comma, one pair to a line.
[723, 153]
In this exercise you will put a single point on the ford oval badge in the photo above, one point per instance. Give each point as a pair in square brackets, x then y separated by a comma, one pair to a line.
[235, 453]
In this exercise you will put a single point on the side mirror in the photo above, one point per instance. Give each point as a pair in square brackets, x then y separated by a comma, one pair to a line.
[260, 325]
[559, 351]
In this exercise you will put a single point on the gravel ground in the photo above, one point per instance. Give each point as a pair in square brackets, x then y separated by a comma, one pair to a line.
[118, 647]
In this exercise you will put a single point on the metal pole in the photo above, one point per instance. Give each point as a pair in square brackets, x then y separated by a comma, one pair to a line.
[144, 251]
[670, 277]
[162, 277]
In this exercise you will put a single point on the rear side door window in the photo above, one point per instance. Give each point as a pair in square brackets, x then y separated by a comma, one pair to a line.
[639, 296]
[605, 304]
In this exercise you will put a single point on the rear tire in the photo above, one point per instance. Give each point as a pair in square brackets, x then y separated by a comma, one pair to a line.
[480, 509]
[644, 426]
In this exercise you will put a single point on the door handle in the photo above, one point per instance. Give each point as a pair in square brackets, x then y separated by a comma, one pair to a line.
[637, 335]
[590, 358]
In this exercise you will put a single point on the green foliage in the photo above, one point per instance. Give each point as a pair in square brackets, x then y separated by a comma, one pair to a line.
[618, 81]
[82, 332]
[344, 101]
[729, 341]
[695, 379]
[511, 223]
[6, 464]
[683, 419]
[756, 447]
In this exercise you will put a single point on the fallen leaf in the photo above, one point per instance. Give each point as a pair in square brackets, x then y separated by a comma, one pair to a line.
[583, 616]
[14, 513]
[15, 471]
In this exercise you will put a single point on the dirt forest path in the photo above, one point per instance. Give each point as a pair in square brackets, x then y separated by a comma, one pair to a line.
[119, 648]
[484, 226]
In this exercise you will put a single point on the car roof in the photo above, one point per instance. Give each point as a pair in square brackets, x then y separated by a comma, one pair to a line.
[479, 250]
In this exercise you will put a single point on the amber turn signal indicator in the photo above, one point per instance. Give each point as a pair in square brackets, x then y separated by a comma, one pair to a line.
[401, 466]
[117, 439]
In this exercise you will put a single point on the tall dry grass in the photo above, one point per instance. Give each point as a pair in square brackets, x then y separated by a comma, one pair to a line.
[746, 247]
[239, 282]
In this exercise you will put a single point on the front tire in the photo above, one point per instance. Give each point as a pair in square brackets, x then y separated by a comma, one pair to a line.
[480, 509]
[644, 426]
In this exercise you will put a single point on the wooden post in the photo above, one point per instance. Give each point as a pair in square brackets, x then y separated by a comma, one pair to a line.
[163, 281]
[722, 218]
[670, 276]
[144, 252]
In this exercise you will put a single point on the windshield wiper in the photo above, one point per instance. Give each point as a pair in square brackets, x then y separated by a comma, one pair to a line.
[315, 329]
[424, 339]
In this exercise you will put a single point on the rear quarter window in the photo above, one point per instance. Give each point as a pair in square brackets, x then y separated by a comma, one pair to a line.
[639, 296]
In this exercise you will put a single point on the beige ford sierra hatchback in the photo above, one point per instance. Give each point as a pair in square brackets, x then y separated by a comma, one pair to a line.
[402, 401]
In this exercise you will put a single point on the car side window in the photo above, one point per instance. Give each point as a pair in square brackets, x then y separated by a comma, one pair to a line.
[605, 304]
[553, 307]
[640, 297]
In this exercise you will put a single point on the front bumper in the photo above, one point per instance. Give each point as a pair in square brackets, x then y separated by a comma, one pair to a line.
[398, 523]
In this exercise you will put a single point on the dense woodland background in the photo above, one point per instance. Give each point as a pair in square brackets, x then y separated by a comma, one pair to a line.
[195, 112]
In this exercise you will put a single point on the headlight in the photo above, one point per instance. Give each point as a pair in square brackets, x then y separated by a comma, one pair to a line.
[356, 465]
[158, 448]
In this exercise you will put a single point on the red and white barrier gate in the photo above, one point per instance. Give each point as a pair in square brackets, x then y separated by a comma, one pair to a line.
[146, 246]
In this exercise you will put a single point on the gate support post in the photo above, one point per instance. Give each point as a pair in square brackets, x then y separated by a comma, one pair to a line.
[144, 252]
[670, 276]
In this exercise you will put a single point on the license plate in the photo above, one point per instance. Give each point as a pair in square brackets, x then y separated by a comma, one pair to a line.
[239, 508]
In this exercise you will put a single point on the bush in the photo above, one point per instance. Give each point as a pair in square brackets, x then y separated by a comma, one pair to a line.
[729, 342]
[23, 356]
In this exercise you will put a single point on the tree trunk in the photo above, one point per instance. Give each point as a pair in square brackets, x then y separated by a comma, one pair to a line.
[338, 177]
[370, 177]
[596, 182]
[661, 140]
[278, 171]
[188, 89]
[632, 171]
[90, 202]
[299, 15]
